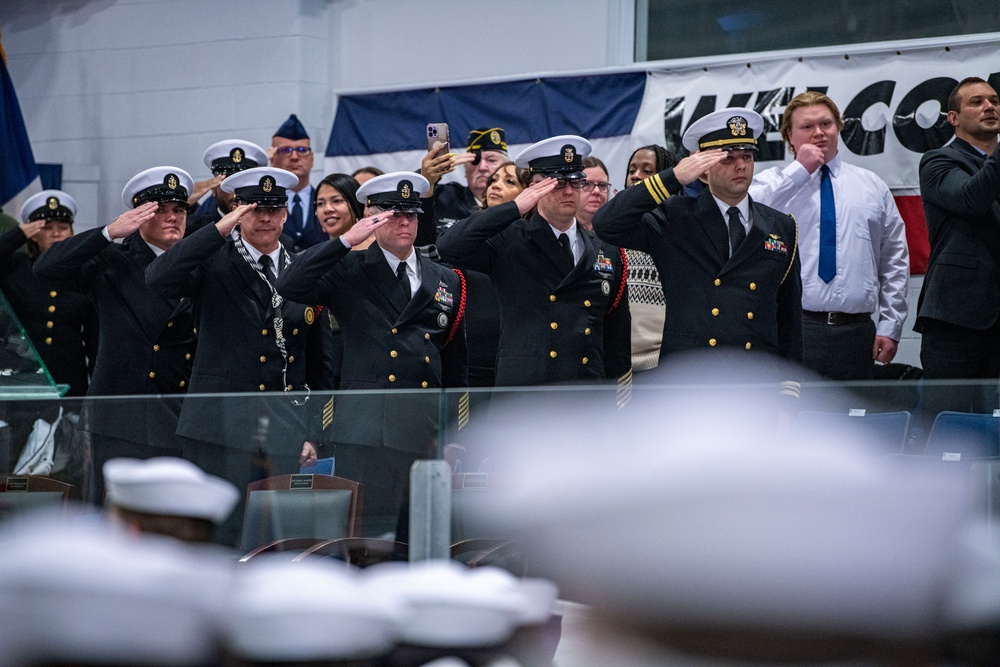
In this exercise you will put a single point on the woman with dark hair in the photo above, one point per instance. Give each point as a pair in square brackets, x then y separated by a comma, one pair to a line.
[337, 205]
[504, 184]
[645, 293]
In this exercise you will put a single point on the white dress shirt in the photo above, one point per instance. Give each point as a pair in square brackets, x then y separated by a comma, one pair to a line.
[873, 267]
[412, 268]
[743, 207]
[257, 254]
[575, 244]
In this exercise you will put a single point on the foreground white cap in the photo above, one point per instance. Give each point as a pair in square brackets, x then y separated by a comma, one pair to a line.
[168, 486]
[87, 596]
[49, 205]
[314, 610]
[158, 184]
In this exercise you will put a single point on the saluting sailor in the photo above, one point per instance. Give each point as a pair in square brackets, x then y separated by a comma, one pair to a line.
[224, 158]
[251, 339]
[563, 299]
[147, 341]
[729, 266]
[401, 318]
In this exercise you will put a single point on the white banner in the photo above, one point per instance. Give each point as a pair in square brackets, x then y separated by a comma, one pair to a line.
[893, 99]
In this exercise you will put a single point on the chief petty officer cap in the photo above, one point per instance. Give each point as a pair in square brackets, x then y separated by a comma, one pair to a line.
[560, 156]
[232, 155]
[398, 191]
[292, 129]
[168, 486]
[731, 129]
[49, 205]
[487, 139]
[158, 184]
[266, 186]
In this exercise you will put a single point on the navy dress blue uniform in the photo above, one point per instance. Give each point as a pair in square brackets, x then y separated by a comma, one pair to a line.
[146, 346]
[390, 341]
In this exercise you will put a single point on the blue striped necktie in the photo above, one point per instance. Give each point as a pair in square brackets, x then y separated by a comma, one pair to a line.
[827, 227]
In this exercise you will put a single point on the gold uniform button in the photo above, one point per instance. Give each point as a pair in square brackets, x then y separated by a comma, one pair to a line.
[156, 348]
[392, 378]
[427, 360]
[424, 384]
[587, 331]
[263, 332]
[427, 336]
[291, 360]
[712, 342]
[715, 312]
[170, 323]
[261, 387]
[753, 286]
[553, 354]
[586, 303]
[554, 325]
[717, 282]
[263, 358]
[393, 354]
[48, 341]
[49, 324]
[194, 330]
[183, 383]
[53, 294]
[187, 357]
[52, 309]
[152, 374]
[288, 387]
[552, 297]
[395, 330]
[749, 316]
[295, 332]
[748, 346]
[585, 360]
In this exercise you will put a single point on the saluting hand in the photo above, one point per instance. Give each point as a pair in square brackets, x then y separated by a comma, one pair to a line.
[33, 229]
[694, 166]
[364, 227]
[229, 220]
[528, 198]
[129, 221]
[202, 187]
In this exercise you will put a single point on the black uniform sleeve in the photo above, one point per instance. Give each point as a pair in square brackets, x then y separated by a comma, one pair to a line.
[618, 338]
[426, 223]
[944, 183]
[180, 271]
[455, 355]
[622, 221]
[468, 244]
[790, 310]
[305, 280]
[9, 243]
[76, 258]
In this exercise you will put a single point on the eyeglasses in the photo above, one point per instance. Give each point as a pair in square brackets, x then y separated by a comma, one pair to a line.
[601, 187]
[288, 150]
[575, 184]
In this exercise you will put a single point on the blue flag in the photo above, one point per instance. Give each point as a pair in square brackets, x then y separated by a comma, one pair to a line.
[17, 164]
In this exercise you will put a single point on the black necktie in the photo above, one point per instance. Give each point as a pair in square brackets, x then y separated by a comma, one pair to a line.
[404, 281]
[266, 266]
[567, 251]
[736, 231]
[296, 216]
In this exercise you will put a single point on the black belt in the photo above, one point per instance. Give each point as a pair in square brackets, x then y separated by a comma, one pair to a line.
[836, 319]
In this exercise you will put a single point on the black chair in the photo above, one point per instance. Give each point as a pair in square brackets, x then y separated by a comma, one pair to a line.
[964, 435]
[317, 507]
[885, 432]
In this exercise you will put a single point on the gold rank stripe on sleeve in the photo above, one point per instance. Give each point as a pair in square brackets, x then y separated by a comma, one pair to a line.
[463, 411]
[328, 413]
[656, 188]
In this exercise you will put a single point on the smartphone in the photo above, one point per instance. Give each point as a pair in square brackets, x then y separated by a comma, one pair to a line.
[437, 133]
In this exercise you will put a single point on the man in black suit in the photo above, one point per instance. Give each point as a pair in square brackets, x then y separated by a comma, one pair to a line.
[729, 266]
[563, 299]
[291, 150]
[147, 341]
[251, 340]
[400, 316]
[957, 314]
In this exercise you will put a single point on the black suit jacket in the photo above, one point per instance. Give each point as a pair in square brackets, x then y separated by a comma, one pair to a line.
[961, 194]
[556, 327]
[389, 342]
[238, 351]
[147, 341]
[751, 301]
